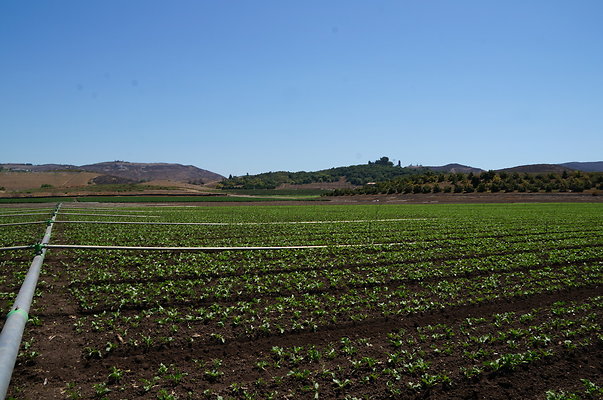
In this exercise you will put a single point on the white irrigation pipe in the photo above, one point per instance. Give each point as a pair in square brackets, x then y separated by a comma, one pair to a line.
[240, 223]
[24, 223]
[12, 332]
[114, 215]
[6, 206]
[103, 209]
[18, 215]
[213, 249]
[15, 248]
[308, 222]
[84, 206]
[203, 249]
[130, 223]
[19, 210]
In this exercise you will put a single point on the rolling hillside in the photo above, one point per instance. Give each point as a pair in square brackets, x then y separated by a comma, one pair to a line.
[11, 181]
[456, 168]
[537, 168]
[596, 166]
[134, 172]
[154, 171]
[381, 170]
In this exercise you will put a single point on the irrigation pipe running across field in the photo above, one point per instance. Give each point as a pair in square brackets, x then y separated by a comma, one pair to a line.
[12, 332]
[25, 211]
[19, 215]
[241, 223]
[102, 209]
[18, 209]
[24, 223]
[16, 248]
[213, 249]
[114, 215]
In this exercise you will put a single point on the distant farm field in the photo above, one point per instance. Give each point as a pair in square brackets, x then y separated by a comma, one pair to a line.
[366, 301]
[28, 180]
[161, 199]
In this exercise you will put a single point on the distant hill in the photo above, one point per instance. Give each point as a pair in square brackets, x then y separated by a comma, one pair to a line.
[537, 168]
[129, 172]
[596, 166]
[153, 171]
[15, 181]
[455, 168]
[39, 168]
[380, 170]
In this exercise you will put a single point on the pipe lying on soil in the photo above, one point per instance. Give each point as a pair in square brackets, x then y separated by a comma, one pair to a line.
[15, 248]
[12, 332]
[24, 223]
[113, 215]
[213, 249]
[19, 215]
[241, 223]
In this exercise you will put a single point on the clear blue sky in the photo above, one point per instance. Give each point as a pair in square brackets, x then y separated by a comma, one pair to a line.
[255, 86]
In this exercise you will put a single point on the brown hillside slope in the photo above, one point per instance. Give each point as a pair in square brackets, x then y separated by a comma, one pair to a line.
[153, 171]
[537, 168]
[34, 180]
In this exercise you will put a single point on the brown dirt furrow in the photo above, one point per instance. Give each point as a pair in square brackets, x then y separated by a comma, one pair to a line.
[64, 362]
[534, 380]
[371, 327]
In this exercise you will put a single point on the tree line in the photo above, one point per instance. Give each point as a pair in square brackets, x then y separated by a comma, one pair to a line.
[490, 181]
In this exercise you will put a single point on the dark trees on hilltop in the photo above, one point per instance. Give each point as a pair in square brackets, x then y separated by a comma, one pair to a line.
[489, 181]
[379, 171]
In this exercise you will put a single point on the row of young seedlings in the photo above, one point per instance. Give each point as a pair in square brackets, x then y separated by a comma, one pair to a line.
[304, 311]
[459, 257]
[254, 318]
[405, 361]
[361, 233]
[105, 287]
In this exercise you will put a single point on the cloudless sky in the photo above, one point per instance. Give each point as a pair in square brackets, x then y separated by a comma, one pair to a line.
[241, 87]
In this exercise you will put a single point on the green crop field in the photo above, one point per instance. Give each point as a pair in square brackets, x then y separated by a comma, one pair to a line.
[395, 301]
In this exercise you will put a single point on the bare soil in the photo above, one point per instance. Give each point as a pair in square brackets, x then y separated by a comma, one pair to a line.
[33, 180]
